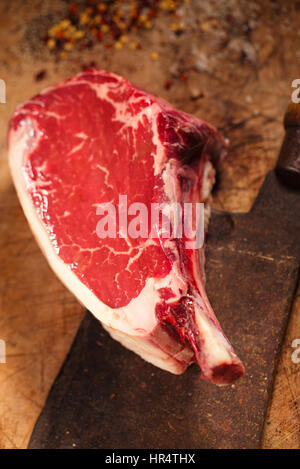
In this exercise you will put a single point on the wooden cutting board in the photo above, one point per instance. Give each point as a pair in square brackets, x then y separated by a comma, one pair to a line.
[244, 76]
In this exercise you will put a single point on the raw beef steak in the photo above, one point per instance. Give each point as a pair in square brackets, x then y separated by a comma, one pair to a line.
[87, 141]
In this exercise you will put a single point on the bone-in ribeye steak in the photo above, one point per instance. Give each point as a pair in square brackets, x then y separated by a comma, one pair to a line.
[85, 142]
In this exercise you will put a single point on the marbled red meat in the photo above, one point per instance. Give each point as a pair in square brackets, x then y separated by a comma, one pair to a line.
[86, 142]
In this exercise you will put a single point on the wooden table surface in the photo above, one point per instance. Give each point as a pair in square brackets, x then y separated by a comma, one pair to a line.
[235, 72]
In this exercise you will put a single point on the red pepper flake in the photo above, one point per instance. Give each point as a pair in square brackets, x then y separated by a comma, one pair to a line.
[183, 76]
[39, 76]
[230, 19]
[88, 65]
[152, 13]
[73, 8]
[168, 84]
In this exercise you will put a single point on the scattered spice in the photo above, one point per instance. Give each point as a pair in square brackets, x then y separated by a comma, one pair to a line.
[51, 44]
[206, 26]
[88, 65]
[89, 22]
[168, 84]
[183, 76]
[178, 28]
[118, 45]
[39, 76]
[133, 46]
[214, 22]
